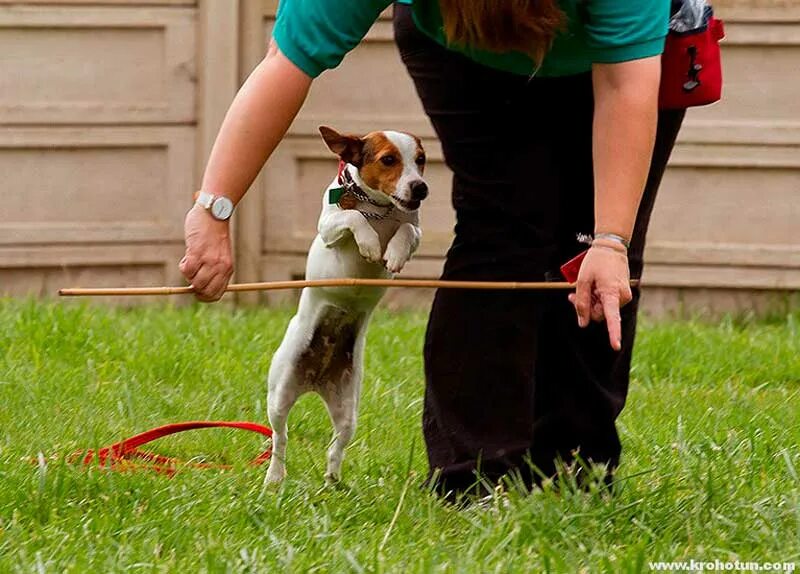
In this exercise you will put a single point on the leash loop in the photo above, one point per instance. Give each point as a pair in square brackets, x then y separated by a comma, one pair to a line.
[120, 455]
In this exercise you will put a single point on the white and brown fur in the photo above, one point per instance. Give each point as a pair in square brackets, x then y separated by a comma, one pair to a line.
[323, 348]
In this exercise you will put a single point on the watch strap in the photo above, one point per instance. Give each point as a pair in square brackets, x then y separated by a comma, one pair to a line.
[203, 199]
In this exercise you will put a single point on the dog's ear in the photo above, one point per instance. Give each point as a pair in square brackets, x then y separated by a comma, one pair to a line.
[349, 148]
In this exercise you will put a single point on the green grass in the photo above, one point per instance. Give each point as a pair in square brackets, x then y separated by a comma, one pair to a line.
[710, 469]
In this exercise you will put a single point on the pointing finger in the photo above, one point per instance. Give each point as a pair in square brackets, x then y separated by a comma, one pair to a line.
[613, 321]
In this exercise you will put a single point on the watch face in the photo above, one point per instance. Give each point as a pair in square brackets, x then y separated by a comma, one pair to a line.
[222, 208]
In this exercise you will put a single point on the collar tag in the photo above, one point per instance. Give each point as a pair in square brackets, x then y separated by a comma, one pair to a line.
[335, 195]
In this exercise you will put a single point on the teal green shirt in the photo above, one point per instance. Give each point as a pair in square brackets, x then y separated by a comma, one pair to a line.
[316, 34]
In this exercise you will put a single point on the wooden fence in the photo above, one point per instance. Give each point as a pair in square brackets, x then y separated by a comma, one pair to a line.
[108, 109]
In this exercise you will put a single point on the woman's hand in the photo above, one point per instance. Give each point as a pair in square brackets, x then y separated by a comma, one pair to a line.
[207, 264]
[603, 287]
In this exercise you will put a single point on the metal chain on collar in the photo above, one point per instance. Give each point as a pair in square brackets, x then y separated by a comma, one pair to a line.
[352, 188]
[377, 216]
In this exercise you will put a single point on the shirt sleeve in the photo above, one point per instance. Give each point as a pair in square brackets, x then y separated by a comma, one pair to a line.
[317, 34]
[624, 30]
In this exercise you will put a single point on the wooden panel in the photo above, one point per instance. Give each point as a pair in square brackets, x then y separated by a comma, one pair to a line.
[46, 281]
[758, 10]
[710, 276]
[112, 185]
[41, 271]
[726, 216]
[90, 255]
[219, 68]
[667, 302]
[93, 65]
[711, 204]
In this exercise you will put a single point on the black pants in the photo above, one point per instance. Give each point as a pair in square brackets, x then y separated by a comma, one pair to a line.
[512, 382]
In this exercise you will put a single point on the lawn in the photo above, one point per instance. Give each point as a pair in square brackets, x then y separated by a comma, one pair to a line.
[711, 468]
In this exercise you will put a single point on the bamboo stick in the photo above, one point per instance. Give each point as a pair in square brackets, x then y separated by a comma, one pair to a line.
[345, 282]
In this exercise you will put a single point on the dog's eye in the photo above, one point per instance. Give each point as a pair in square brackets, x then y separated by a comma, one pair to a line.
[388, 160]
[420, 160]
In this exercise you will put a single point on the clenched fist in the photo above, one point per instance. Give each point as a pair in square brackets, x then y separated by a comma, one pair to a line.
[208, 262]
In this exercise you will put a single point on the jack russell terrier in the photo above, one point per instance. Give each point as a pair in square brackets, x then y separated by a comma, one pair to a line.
[368, 228]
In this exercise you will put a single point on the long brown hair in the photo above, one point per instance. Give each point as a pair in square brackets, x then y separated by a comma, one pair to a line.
[527, 26]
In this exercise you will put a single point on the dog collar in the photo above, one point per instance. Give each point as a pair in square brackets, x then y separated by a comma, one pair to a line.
[349, 195]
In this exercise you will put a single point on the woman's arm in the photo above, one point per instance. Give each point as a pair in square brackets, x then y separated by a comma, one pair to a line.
[625, 119]
[256, 122]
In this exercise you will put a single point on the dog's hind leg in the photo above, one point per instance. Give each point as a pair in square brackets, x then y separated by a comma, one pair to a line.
[342, 396]
[284, 390]
[342, 404]
[280, 401]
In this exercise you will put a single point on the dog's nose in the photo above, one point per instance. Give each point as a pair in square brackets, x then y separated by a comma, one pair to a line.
[418, 189]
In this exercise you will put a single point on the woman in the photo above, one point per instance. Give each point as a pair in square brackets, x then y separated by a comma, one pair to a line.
[547, 114]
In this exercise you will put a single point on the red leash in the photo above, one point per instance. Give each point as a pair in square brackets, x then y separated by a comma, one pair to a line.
[119, 456]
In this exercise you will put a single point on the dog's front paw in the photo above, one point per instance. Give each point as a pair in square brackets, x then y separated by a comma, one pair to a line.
[370, 247]
[395, 261]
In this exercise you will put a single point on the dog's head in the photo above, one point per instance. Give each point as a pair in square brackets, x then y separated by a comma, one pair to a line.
[388, 162]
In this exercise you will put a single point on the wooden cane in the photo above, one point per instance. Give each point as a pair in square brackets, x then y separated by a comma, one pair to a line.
[345, 282]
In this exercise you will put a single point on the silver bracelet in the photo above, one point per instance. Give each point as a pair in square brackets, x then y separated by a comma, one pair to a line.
[613, 237]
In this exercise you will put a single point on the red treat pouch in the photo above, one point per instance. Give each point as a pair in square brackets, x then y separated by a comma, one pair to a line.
[571, 268]
[691, 66]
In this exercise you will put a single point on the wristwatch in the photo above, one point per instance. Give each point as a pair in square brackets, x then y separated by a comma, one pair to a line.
[219, 206]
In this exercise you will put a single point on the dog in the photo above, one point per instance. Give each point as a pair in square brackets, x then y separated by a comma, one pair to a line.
[368, 228]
